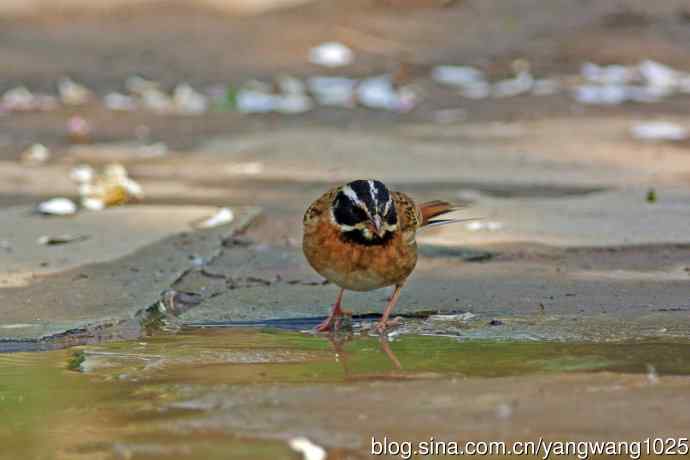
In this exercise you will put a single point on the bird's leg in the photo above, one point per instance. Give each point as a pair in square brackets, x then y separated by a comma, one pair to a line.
[384, 322]
[336, 312]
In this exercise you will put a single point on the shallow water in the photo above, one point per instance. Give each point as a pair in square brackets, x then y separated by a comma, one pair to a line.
[138, 399]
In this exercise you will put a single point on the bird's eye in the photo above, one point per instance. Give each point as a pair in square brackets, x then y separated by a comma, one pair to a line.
[346, 212]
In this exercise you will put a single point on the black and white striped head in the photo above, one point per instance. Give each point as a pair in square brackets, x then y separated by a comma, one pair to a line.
[364, 211]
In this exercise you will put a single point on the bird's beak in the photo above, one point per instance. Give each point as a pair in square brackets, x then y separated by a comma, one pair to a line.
[378, 226]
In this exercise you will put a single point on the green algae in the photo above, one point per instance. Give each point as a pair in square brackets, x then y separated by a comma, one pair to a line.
[128, 400]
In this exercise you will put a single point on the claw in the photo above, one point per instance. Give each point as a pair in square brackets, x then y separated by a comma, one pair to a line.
[381, 326]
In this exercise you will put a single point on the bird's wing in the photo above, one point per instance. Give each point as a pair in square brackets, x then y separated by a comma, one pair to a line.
[319, 207]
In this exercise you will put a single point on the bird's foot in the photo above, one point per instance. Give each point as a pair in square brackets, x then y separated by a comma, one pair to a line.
[381, 326]
[331, 323]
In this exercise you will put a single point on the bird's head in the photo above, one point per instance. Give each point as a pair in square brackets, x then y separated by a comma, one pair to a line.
[364, 212]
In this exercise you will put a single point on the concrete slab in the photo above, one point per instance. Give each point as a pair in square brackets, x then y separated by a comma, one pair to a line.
[108, 235]
[113, 278]
[611, 218]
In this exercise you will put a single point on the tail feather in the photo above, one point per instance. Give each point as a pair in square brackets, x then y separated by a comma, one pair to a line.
[435, 208]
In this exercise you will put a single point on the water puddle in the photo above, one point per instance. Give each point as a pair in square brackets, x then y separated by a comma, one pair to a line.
[193, 394]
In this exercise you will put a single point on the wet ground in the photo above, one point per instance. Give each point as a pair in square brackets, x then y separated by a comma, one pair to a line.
[568, 317]
[244, 393]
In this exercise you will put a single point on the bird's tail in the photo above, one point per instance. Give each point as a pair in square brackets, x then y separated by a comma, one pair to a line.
[432, 209]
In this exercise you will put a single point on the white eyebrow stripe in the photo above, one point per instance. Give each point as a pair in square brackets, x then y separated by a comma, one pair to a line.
[387, 207]
[374, 193]
[347, 190]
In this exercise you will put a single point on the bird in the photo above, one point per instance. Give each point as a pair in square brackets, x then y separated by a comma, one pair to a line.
[362, 236]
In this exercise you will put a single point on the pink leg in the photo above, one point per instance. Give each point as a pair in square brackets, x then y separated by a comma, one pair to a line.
[384, 322]
[336, 312]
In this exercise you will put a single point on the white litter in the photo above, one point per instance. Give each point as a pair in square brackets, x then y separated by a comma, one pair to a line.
[331, 54]
[607, 75]
[600, 95]
[139, 85]
[294, 103]
[57, 207]
[308, 449]
[19, 99]
[47, 240]
[222, 217]
[112, 188]
[287, 84]
[521, 84]
[82, 174]
[157, 101]
[73, 93]
[659, 131]
[332, 91]
[189, 101]
[254, 101]
[457, 75]
[379, 93]
[37, 154]
[660, 75]
[119, 102]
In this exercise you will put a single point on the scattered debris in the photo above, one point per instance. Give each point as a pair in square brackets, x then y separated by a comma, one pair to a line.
[520, 84]
[457, 75]
[20, 99]
[119, 102]
[308, 449]
[495, 322]
[57, 207]
[659, 131]
[647, 82]
[259, 97]
[73, 93]
[331, 54]
[112, 188]
[60, 239]
[222, 217]
[82, 174]
[79, 130]
[333, 91]
[380, 93]
[189, 101]
[470, 80]
[35, 155]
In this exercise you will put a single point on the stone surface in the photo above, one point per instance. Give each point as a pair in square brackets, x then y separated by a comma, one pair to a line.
[116, 277]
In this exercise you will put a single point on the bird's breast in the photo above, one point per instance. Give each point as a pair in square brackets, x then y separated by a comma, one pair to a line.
[355, 266]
